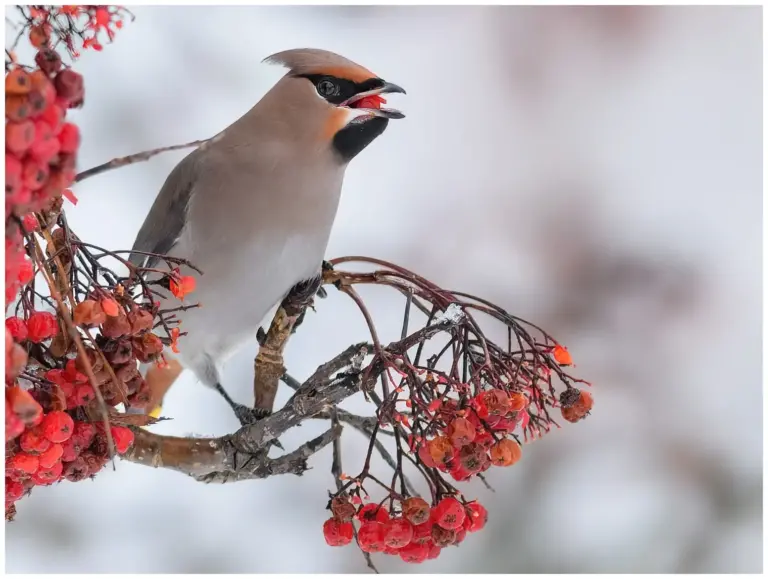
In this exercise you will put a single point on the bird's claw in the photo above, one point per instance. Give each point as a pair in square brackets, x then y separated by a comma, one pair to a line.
[248, 416]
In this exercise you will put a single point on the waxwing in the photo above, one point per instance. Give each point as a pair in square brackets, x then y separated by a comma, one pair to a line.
[254, 207]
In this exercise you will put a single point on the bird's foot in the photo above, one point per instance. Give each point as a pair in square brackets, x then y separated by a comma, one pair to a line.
[245, 414]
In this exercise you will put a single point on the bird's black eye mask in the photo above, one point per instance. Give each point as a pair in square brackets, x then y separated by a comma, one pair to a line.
[339, 90]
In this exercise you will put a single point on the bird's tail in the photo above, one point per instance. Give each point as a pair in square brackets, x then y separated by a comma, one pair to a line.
[159, 378]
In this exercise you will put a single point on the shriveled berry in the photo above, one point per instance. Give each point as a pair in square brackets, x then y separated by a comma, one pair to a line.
[342, 508]
[51, 456]
[58, 426]
[34, 440]
[46, 476]
[76, 470]
[84, 433]
[461, 534]
[580, 409]
[48, 60]
[506, 452]
[449, 513]
[398, 533]
[461, 432]
[40, 35]
[23, 462]
[477, 517]
[69, 86]
[337, 533]
[414, 553]
[370, 537]
[122, 437]
[372, 512]
[496, 401]
[94, 461]
[442, 537]
[416, 510]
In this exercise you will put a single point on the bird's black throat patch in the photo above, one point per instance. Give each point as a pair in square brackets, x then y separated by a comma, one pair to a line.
[356, 136]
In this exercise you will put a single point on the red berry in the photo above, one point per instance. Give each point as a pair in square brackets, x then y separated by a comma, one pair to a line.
[34, 440]
[422, 533]
[69, 137]
[14, 490]
[370, 537]
[54, 117]
[58, 426]
[123, 438]
[434, 551]
[19, 136]
[46, 147]
[416, 510]
[461, 534]
[372, 512]
[46, 476]
[35, 174]
[51, 456]
[41, 326]
[337, 533]
[398, 533]
[30, 223]
[26, 272]
[414, 553]
[449, 513]
[443, 537]
[477, 517]
[17, 327]
[23, 462]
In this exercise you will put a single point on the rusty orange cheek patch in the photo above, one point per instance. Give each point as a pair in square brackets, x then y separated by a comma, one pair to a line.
[353, 73]
[336, 121]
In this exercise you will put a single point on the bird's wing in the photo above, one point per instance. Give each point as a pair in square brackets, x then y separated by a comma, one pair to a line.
[166, 218]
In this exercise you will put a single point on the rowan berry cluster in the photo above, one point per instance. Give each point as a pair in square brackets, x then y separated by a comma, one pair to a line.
[74, 341]
[452, 416]
[412, 530]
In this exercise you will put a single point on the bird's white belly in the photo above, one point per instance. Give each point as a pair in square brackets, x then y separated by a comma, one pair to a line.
[239, 288]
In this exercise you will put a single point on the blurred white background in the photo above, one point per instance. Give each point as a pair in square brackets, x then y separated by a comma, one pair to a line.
[595, 170]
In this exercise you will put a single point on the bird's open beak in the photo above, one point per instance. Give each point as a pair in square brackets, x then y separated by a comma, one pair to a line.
[371, 101]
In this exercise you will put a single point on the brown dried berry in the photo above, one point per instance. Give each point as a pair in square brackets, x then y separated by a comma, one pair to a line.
[69, 86]
[48, 60]
[93, 358]
[116, 326]
[342, 509]
[140, 320]
[442, 537]
[147, 347]
[118, 351]
[76, 470]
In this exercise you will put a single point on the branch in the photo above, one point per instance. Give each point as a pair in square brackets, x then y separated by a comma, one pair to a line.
[142, 156]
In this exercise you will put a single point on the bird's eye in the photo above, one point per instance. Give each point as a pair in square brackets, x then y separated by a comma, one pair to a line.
[327, 88]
